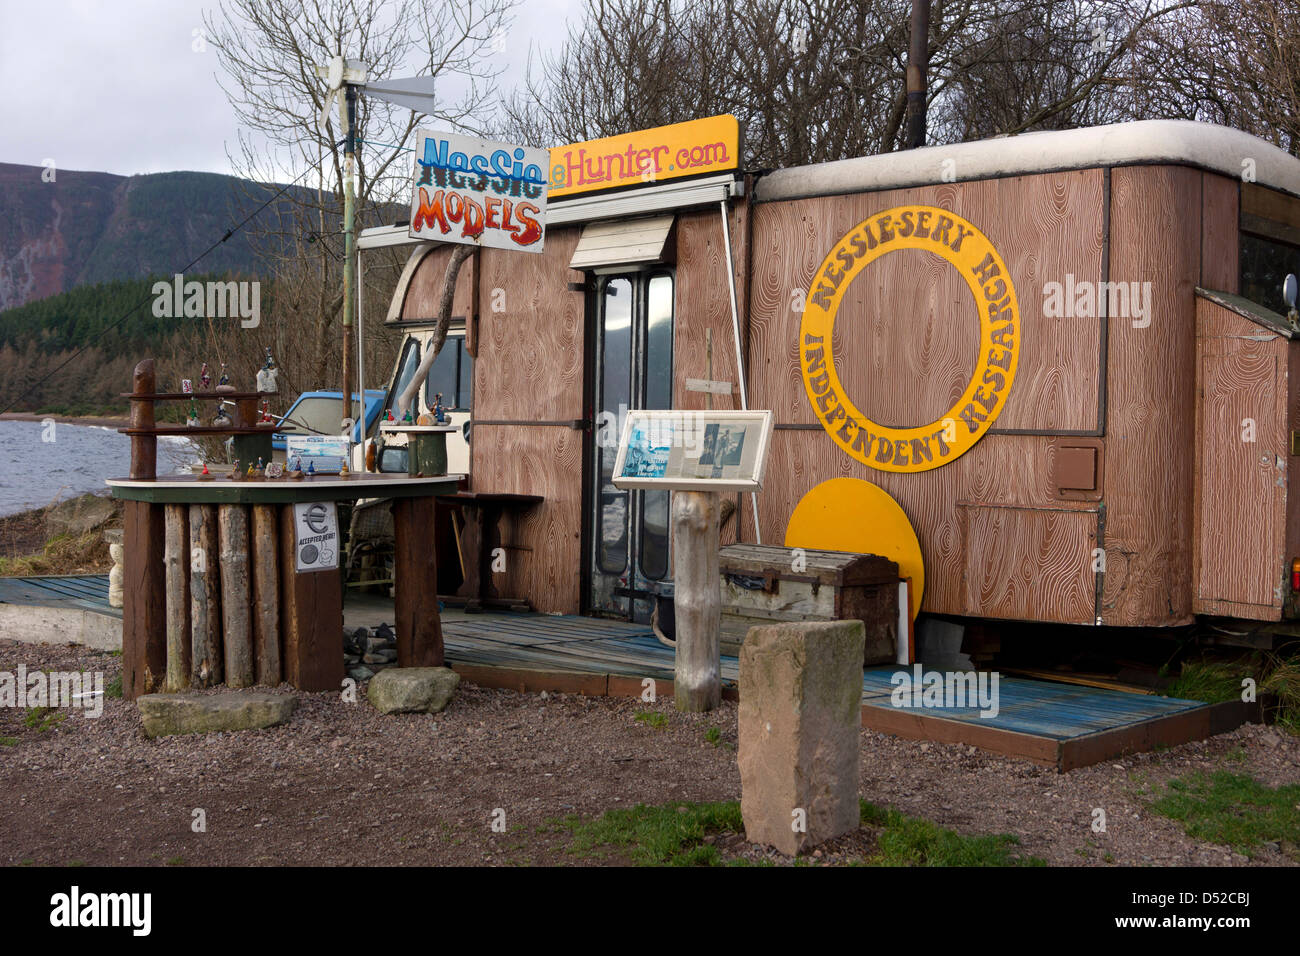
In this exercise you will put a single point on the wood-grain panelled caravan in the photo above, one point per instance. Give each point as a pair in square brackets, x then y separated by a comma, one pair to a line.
[1137, 467]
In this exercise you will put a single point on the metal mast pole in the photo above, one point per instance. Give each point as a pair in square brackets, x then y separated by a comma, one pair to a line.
[347, 114]
[918, 62]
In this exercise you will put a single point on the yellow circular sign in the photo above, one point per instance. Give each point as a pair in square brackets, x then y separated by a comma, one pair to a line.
[971, 253]
[849, 514]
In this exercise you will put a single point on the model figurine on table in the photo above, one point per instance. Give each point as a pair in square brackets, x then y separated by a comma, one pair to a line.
[205, 377]
[439, 412]
[295, 467]
[221, 419]
[266, 418]
[192, 419]
[234, 470]
[268, 376]
[223, 384]
[205, 475]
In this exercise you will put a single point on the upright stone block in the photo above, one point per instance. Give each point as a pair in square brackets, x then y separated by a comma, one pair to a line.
[800, 713]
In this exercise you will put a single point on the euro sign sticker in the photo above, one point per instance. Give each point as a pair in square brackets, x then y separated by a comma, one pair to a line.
[316, 536]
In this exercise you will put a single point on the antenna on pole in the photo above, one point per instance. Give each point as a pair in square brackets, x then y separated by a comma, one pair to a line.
[344, 79]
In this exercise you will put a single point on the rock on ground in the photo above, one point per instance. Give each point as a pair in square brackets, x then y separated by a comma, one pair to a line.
[77, 516]
[167, 714]
[799, 716]
[412, 690]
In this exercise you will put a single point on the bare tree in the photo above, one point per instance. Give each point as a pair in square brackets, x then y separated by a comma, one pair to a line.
[268, 51]
[818, 80]
[1235, 65]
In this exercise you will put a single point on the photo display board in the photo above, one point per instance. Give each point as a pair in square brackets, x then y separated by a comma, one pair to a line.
[693, 450]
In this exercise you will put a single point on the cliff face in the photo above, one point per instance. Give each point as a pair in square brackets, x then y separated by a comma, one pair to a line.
[93, 227]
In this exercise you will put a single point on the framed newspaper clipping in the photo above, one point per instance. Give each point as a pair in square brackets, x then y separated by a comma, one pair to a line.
[693, 450]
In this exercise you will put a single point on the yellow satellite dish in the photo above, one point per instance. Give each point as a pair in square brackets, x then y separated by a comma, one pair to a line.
[849, 514]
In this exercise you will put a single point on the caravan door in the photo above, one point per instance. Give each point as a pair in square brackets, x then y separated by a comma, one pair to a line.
[632, 320]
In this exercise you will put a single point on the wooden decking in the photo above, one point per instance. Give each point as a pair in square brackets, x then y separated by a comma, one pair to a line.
[87, 592]
[1059, 725]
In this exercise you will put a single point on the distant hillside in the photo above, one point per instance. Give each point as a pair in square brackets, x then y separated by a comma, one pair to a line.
[74, 318]
[86, 228]
[37, 338]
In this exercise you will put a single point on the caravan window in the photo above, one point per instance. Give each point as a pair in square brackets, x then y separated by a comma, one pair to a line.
[452, 374]
[405, 372]
[1264, 266]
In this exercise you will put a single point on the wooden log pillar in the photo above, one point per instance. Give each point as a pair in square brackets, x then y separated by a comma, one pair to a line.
[205, 598]
[415, 584]
[265, 554]
[236, 603]
[144, 609]
[697, 683]
[144, 448]
[176, 560]
[311, 617]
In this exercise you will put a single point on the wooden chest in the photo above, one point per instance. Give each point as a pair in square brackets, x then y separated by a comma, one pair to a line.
[762, 584]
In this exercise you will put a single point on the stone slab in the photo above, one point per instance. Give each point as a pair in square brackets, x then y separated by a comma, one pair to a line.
[167, 714]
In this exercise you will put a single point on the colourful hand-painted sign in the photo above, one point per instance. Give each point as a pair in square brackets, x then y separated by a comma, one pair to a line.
[478, 192]
[646, 156]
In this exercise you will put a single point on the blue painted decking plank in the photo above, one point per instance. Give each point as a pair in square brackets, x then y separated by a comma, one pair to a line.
[1042, 708]
[89, 591]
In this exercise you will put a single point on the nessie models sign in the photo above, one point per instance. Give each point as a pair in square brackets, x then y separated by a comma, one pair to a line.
[478, 192]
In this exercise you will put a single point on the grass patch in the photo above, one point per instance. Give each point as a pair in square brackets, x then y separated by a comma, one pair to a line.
[8, 741]
[114, 688]
[653, 718]
[713, 735]
[42, 719]
[670, 835]
[62, 554]
[909, 841]
[1234, 810]
[1214, 682]
[1283, 682]
[674, 835]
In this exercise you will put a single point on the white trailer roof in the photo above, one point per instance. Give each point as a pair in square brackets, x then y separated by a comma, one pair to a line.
[1145, 142]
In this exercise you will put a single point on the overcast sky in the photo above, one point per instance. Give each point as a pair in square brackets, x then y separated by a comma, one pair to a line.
[115, 86]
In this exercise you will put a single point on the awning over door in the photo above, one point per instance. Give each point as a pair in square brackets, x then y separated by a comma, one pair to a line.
[623, 242]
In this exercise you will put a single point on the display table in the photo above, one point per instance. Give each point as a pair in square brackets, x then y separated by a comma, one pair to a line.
[482, 513]
[215, 591]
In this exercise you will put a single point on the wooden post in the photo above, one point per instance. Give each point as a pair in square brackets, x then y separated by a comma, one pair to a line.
[176, 559]
[697, 602]
[311, 617]
[415, 583]
[237, 632]
[144, 448]
[266, 596]
[205, 598]
[144, 611]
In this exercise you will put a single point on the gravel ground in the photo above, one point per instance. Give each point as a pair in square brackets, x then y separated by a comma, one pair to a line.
[342, 784]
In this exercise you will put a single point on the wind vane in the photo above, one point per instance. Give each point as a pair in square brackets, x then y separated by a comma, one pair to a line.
[344, 79]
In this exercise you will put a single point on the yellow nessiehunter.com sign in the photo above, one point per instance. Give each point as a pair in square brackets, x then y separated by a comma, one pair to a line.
[971, 253]
[646, 156]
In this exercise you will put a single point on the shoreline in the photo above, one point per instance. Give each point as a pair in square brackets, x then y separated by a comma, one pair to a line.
[95, 420]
